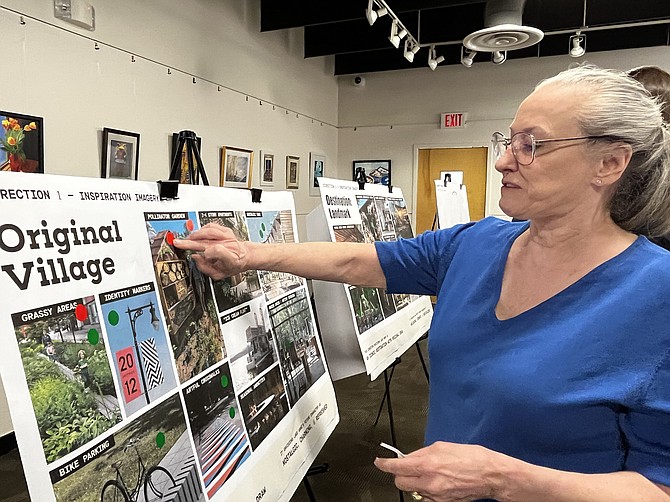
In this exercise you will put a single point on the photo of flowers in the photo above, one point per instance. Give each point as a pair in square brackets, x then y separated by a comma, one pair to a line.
[120, 154]
[292, 171]
[21, 143]
[317, 169]
[236, 167]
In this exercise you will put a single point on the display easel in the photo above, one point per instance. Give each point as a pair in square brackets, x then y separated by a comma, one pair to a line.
[187, 139]
[347, 356]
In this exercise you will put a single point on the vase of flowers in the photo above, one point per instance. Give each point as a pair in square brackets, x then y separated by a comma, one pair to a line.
[12, 143]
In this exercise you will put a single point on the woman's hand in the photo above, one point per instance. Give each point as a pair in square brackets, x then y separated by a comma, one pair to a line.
[217, 252]
[445, 472]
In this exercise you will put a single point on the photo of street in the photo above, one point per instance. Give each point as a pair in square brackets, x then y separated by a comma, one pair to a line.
[367, 307]
[369, 218]
[218, 433]
[139, 345]
[300, 353]
[263, 405]
[239, 288]
[398, 210]
[249, 340]
[268, 227]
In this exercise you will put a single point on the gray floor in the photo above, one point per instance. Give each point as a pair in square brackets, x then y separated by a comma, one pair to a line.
[351, 449]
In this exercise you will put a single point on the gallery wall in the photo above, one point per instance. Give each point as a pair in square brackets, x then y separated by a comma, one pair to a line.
[411, 101]
[58, 74]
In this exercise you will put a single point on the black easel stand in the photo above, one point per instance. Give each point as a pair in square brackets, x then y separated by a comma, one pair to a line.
[388, 386]
[188, 139]
[360, 178]
[315, 469]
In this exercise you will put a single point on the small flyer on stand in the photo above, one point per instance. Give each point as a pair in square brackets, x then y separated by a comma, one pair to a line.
[385, 325]
[129, 374]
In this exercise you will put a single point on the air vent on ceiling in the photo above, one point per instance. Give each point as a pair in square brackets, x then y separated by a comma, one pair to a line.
[504, 31]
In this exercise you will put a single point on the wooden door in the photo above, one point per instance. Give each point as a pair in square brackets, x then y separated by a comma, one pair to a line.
[472, 161]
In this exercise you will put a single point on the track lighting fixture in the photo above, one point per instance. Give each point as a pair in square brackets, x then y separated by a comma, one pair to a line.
[394, 38]
[577, 45]
[411, 48]
[467, 56]
[372, 13]
[433, 59]
[498, 57]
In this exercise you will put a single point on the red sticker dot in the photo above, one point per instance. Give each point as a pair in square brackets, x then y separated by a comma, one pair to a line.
[169, 237]
[189, 225]
[80, 312]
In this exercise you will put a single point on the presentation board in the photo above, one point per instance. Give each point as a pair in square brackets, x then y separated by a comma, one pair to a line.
[132, 376]
[451, 199]
[365, 329]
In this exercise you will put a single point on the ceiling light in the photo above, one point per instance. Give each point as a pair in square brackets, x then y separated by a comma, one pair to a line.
[577, 45]
[394, 38]
[373, 14]
[467, 56]
[433, 60]
[499, 57]
[408, 52]
[402, 33]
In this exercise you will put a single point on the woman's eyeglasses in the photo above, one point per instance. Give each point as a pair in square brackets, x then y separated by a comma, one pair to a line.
[524, 145]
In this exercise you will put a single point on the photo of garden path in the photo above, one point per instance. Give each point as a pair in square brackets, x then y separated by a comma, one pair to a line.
[68, 374]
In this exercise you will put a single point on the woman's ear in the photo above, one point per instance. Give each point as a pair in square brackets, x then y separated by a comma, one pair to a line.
[613, 163]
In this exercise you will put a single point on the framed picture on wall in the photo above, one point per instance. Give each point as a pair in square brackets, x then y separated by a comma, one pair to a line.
[184, 176]
[267, 169]
[376, 171]
[21, 143]
[120, 154]
[317, 169]
[292, 171]
[236, 167]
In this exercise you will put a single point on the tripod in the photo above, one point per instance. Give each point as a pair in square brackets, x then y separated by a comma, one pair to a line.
[187, 144]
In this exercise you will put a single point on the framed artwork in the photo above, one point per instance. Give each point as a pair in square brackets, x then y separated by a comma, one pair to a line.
[21, 143]
[184, 176]
[236, 167]
[376, 171]
[292, 171]
[317, 169]
[267, 169]
[120, 154]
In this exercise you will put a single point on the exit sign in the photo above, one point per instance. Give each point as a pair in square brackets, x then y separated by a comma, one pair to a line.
[452, 120]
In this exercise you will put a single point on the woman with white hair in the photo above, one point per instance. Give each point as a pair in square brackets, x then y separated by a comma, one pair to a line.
[549, 346]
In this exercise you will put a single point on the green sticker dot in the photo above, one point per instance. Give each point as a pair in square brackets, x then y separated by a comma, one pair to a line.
[113, 317]
[260, 233]
[224, 381]
[93, 336]
[231, 412]
[160, 439]
[263, 227]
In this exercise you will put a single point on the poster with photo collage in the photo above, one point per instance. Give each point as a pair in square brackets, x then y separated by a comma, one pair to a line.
[129, 374]
[385, 324]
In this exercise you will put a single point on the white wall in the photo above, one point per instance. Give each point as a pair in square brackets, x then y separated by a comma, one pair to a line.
[58, 75]
[412, 100]
[52, 71]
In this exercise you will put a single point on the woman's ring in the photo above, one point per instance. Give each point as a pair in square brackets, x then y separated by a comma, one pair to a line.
[416, 496]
